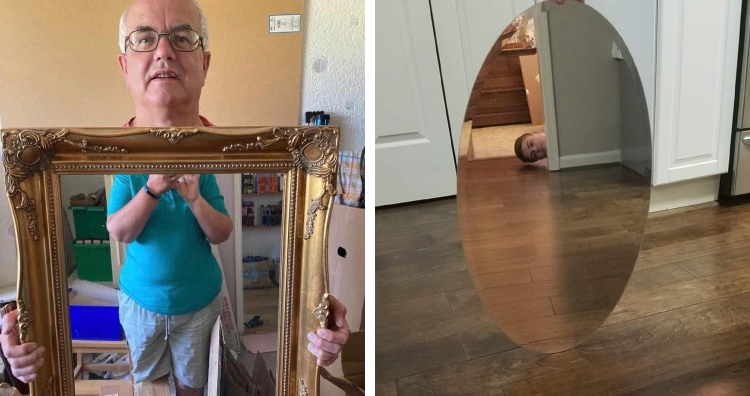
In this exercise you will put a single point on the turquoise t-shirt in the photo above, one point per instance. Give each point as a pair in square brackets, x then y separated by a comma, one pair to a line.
[169, 268]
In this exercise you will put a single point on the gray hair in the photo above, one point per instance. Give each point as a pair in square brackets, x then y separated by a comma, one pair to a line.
[124, 31]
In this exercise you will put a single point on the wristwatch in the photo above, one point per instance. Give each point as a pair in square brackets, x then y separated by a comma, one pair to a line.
[150, 194]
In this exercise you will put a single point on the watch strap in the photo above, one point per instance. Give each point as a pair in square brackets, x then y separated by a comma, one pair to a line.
[150, 194]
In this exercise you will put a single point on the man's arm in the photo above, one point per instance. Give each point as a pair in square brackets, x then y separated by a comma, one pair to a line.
[127, 223]
[216, 225]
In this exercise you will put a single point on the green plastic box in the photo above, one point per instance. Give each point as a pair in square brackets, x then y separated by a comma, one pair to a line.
[94, 263]
[90, 222]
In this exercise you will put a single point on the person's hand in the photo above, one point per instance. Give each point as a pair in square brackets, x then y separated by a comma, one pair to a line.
[187, 186]
[326, 344]
[24, 359]
[160, 184]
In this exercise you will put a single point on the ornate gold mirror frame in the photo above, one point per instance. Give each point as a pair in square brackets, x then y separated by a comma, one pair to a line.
[35, 159]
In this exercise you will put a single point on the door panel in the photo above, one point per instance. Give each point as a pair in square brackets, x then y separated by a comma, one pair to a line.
[412, 142]
[696, 84]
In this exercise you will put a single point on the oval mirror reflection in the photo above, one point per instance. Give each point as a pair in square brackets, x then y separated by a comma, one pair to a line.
[554, 175]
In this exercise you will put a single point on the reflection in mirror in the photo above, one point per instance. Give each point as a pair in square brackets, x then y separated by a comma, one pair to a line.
[95, 261]
[262, 205]
[554, 175]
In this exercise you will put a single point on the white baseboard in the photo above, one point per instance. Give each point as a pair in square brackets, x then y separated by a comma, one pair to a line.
[685, 193]
[604, 157]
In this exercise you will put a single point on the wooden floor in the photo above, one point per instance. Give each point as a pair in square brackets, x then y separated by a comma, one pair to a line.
[550, 253]
[263, 302]
[682, 326]
[498, 141]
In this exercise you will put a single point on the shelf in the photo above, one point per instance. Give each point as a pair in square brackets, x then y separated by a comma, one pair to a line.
[273, 193]
[262, 226]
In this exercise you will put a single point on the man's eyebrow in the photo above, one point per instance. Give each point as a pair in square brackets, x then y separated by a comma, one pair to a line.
[182, 26]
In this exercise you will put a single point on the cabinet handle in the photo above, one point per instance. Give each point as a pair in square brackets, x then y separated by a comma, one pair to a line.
[746, 140]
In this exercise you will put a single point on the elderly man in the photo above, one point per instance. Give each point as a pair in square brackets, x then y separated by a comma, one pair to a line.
[165, 60]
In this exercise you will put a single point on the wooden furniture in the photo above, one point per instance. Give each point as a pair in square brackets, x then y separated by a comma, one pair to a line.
[121, 388]
[499, 96]
[81, 347]
[95, 387]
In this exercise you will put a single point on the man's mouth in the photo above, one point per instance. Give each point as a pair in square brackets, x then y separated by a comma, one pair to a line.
[164, 75]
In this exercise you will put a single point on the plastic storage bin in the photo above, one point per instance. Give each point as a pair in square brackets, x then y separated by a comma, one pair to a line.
[90, 222]
[94, 263]
[95, 322]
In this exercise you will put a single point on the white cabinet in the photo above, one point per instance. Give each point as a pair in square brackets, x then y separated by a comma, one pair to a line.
[697, 46]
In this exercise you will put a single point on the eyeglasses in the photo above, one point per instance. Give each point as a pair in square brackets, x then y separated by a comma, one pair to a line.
[146, 40]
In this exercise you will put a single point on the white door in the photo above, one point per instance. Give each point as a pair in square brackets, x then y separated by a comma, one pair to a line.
[414, 159]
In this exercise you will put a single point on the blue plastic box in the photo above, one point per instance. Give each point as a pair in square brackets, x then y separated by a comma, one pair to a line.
[95, 322]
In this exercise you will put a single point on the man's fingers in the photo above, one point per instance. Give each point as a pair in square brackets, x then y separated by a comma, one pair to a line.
[340, 336]
[28, 374]
[26, 379]
[17, 351]
[10, 320]
[325, 344]
[25, 367]
[323, 356]
[343, 325]
[337, 308]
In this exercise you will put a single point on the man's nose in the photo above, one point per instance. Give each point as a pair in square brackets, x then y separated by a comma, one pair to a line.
[164, 48]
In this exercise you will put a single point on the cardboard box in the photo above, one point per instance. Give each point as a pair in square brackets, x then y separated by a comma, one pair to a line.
[346, 261]
[226, 376]
[352, 379]
[531, 81]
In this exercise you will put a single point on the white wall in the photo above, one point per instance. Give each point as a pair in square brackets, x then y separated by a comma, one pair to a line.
[583, 69]
[635, 21]
[335, 32]
[8, 256]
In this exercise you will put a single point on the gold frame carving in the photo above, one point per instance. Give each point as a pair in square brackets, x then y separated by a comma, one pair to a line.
[34, 160]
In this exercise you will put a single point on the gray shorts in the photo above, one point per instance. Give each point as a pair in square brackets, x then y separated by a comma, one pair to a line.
[160, 344]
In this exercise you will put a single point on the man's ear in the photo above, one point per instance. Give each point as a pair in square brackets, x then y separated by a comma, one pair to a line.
[206, 63]
[123, 65]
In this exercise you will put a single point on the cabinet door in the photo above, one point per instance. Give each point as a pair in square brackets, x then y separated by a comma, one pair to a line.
[697, 50]
[412, 140]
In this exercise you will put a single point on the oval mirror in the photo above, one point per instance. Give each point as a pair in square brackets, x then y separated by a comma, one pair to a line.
[554, 175]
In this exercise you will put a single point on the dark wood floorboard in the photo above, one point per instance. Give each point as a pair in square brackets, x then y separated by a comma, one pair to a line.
[682, 326]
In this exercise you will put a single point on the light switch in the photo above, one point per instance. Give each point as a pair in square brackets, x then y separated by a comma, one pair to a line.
[284, 23]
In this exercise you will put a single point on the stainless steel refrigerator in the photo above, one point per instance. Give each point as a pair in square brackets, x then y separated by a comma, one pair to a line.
[737, 180]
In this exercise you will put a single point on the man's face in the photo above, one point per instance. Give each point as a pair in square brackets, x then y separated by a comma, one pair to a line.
[164, 77]
[534, 147]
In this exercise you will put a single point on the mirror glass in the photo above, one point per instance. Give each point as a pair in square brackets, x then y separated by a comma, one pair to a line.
[95, 261]
[554, 175]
